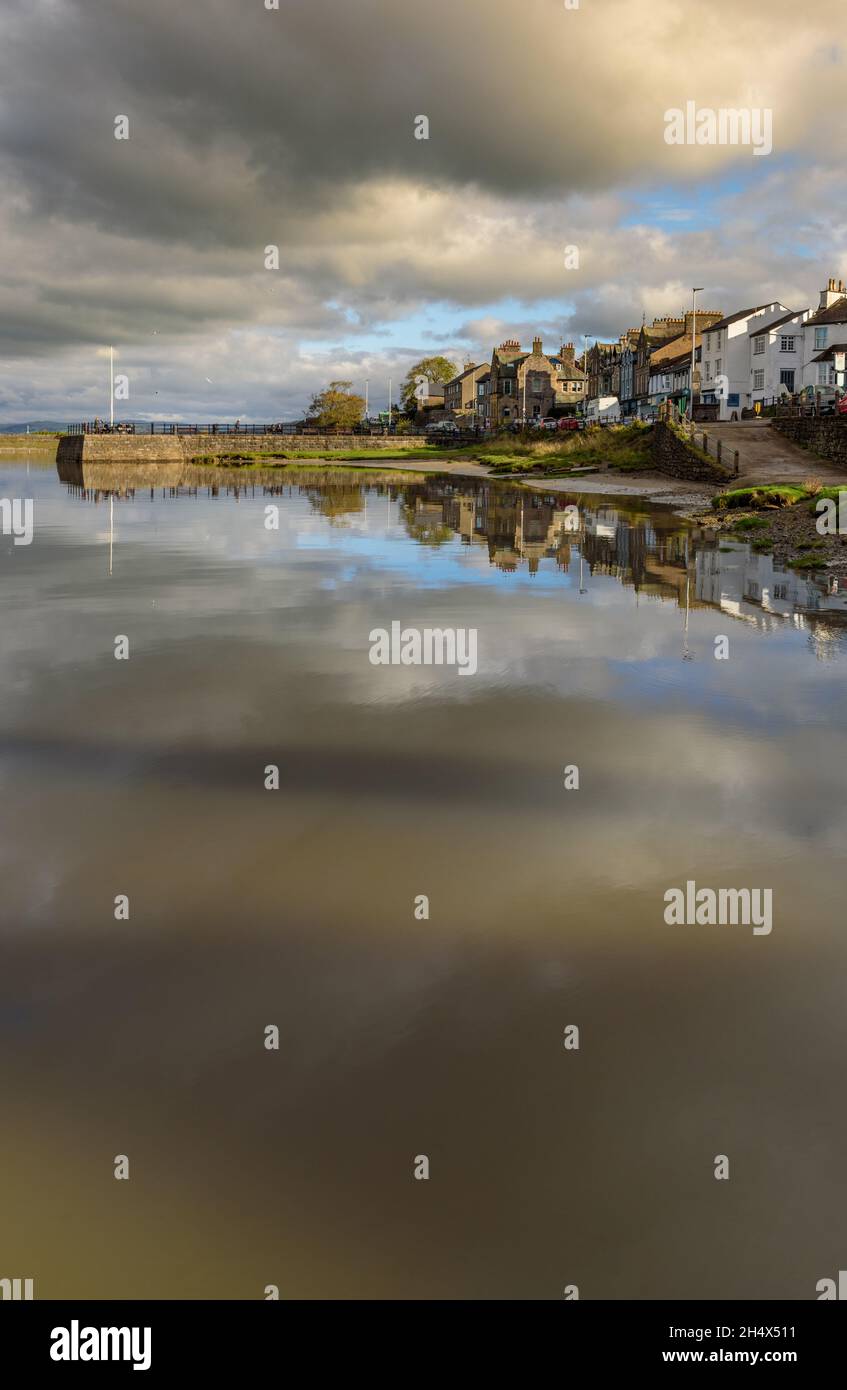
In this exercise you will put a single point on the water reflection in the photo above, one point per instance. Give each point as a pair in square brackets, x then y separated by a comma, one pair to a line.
[648, 549]
[295, 908]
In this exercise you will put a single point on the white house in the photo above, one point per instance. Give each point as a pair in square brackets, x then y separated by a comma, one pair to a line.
[826, 338]
[777, 356]
[726, 357]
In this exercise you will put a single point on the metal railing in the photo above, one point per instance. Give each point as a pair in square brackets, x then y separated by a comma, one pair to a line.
[168, 427]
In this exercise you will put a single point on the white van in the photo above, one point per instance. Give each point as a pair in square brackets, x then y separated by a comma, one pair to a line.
[603, 410]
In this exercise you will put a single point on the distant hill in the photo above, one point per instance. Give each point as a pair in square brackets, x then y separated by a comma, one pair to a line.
[33, 426]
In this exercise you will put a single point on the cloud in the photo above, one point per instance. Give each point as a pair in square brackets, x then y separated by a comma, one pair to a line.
[295, 128]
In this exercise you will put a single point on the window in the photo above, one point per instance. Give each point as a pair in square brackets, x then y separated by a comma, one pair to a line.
[718, 366]
[733, 398]
[718, 341]
[823, 373]
[780, 591]
[507, 387]
[786, 342]
[820, 338]
[758, 381]
[708, 342]
[758, 346]
[708, 371]
[786, 378]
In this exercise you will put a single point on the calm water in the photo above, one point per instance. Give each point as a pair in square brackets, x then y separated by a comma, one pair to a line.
[401, 1037]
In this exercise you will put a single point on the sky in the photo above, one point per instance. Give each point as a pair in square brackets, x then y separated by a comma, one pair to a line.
[296, 127]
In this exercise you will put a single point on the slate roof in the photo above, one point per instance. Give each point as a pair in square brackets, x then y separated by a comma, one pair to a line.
[733, 318]
[792, 314]
[836, 313]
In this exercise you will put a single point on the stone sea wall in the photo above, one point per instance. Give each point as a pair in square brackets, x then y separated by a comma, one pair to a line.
[184, 448]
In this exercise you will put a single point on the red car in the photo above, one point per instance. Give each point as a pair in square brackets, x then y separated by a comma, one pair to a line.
[841, 408]
[569, 422]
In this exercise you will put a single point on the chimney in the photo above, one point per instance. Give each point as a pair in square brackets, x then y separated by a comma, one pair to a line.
[536, 347]
[834, 290]
[568, 354]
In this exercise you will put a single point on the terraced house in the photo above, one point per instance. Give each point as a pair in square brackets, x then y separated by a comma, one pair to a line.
[826, 340]
[627, 368]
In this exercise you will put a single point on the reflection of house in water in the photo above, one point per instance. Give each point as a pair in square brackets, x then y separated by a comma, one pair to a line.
[748, 586]
[519, 527]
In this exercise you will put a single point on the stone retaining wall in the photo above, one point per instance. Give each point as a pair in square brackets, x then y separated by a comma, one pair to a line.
[824, 435]
[183, 448]
[674, 455]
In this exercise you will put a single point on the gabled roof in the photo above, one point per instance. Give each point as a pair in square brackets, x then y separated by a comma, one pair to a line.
[467, 371]
[836, 313]
[733, 318]
[792, 314]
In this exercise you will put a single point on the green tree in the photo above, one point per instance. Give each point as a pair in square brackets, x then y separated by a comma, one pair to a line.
[434, 369]
[337, 408]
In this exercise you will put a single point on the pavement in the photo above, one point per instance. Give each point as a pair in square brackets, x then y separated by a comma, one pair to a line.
[766, 456]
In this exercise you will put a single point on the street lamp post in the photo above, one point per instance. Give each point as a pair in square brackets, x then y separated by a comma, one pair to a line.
[694, 293]
[112, 387]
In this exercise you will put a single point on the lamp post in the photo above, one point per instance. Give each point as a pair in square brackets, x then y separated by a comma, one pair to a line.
[112, 387]
[694, 293]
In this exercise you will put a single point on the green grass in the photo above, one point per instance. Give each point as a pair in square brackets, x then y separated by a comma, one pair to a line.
[626, 447]
[807, 562]
[750, 523]
[832, 494]
[43, 440]
[768, 495]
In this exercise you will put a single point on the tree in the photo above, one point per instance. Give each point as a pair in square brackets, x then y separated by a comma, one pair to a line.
[438, 369]
[336, 408]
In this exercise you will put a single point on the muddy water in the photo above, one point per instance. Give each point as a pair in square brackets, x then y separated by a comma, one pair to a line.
[401, 1037]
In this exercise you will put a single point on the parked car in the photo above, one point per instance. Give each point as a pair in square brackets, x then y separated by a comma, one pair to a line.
[549, 423]
[841, 408]
[569, 422]
[447, 429]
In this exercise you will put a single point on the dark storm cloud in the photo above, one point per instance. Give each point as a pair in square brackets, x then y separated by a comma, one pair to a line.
[251, 127]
